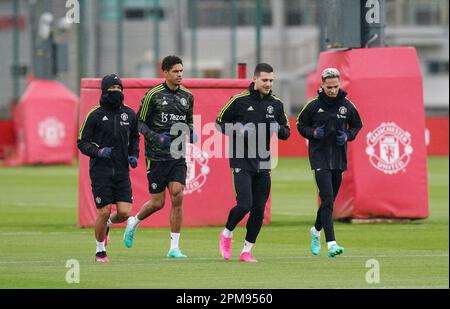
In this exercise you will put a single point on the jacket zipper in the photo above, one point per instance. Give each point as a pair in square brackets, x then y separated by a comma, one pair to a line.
[114, 138]
[330, 158]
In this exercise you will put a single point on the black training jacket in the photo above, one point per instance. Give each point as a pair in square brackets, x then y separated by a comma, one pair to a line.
[249, 108]
[160, 109]
[337, 114]
[104, 127]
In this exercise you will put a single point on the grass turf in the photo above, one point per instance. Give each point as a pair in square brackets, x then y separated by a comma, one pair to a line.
[39, 234]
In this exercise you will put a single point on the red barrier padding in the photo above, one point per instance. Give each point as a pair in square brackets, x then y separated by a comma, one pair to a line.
[45, 124]
[296, 145]
[436, 136]
[387, 175]
[6, 137]
[209, 191]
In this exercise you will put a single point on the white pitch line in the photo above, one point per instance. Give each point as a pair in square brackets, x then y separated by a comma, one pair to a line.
[146, 261]
[40, 233]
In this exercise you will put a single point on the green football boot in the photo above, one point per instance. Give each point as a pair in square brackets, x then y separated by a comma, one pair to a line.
[315, 243]
[176, 254]
[335, 250]
[128, 236]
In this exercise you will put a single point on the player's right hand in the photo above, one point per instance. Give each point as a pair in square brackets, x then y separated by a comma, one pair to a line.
[164, 139]
[193, 137]
[105, 153]
[247, 130]
[319, 132]
[133, 161]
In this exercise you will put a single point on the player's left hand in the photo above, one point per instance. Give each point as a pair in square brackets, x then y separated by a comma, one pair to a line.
[341, 138]
[133, 161]
[249, 129]
[193, 137]
[274, 127]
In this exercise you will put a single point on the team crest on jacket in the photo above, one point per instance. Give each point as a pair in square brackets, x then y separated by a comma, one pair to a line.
[197, 169]
[389, 148]
[270, 109]
[51, 131]
[342, 110]
[124, 117]
[183, 101]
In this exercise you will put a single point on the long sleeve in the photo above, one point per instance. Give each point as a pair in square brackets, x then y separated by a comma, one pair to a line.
[304, 123]
[226, 115]
[85, 138]
[149, 134]
[285, 129]
[133, 148]
[354, 124]
[144, 113]
[190, 115]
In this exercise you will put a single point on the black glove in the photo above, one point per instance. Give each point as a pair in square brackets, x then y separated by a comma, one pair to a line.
[341, 138]
[247, 130]
[274, 127]
[133, 161]
[105, 153]
[319, 132]
[163, 139]
[193, 137]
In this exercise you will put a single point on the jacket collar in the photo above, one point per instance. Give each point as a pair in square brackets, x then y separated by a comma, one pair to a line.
[255, 93]
[331, 101]
[170, 90]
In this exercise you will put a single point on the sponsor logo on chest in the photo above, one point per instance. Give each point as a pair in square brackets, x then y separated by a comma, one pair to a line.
[172, 117]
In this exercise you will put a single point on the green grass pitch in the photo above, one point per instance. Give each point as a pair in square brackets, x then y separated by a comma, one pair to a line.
[39, 233]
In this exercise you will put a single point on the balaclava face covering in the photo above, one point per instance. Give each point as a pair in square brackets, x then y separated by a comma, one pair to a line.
[111, 99]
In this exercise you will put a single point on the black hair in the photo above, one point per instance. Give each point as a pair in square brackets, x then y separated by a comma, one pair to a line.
[263, 67]
[169, 61]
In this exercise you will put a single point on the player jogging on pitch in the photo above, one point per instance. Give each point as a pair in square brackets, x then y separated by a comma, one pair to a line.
[329, 121]
[166, 105]
[110, 137]
[252, 116]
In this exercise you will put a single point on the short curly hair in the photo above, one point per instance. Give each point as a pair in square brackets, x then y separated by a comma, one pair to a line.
[169, 61]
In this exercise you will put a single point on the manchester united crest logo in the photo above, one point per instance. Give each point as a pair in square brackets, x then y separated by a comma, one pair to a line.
[52, 132]
[389, 148]
[197, 169]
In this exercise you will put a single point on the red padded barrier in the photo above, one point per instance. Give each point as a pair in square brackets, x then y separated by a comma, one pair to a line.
[209, 192]
[387, 174]
[45, 124]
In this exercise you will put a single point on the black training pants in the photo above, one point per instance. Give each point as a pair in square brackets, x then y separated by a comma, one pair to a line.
[328, 183]
[252, 191]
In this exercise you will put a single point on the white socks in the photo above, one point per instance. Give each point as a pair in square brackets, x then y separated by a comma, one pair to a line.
[174, 239]
[227, 233]
[100, 246]
[315, 232]
[330, 244]
[247, 247]
[136, 220]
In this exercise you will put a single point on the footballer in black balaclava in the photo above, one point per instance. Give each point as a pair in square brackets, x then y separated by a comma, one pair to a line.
[111, 99]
